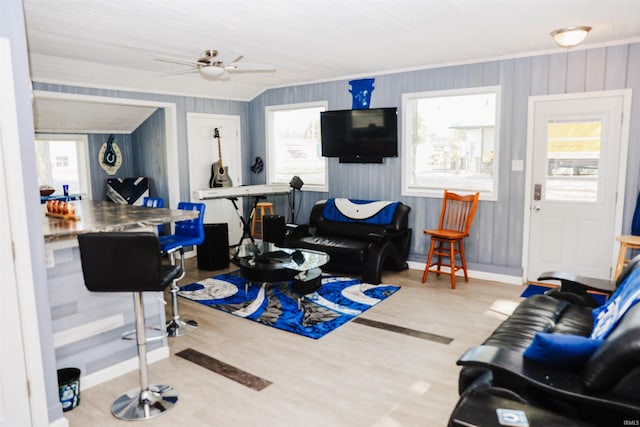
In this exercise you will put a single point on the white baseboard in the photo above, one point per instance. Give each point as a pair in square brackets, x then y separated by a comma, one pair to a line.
[99, 377]
[60, 422]
[482, 275]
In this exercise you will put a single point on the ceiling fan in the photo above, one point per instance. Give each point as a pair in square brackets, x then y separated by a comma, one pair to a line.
[213, 65]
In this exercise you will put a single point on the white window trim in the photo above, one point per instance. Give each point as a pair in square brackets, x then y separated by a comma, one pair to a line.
[269, 152]
[83, 152]
[406, 141]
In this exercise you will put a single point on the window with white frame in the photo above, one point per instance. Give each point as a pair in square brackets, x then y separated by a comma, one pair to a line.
[294, 145]
[451, 142]
[63, 159]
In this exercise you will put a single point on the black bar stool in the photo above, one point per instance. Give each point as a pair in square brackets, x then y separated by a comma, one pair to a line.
[131, 262]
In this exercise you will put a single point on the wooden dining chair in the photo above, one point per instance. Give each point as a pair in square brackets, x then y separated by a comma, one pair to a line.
[455, 221]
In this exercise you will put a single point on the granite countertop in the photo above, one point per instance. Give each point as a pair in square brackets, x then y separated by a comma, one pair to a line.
[99, 216]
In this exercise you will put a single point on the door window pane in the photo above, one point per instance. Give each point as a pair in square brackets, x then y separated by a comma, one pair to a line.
[573, 157]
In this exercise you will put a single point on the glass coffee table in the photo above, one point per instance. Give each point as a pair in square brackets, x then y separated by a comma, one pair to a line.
[265, 263]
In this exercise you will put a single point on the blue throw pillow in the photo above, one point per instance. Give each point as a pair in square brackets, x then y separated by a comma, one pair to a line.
[561, 350]
[607, 316]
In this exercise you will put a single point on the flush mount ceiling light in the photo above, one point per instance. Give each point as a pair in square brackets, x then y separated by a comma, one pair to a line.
[570, 36]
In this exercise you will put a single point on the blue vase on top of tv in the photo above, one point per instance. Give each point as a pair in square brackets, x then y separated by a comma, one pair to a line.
[361, 92]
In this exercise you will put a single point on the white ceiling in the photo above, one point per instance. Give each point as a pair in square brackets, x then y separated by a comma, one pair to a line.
[111, 44]
[53, 114]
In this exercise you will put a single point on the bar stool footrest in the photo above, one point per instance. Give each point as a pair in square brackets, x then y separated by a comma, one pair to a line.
[159, 334]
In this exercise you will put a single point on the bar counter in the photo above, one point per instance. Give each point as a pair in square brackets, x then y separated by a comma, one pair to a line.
[102, 216]
[87, 326]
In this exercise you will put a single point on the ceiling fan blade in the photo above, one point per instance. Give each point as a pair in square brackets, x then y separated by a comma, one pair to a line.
[176, 73]
[176, 60]
[247, 66]
[229, 55]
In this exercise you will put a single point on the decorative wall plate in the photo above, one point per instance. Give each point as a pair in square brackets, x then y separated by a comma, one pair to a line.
[110, 157]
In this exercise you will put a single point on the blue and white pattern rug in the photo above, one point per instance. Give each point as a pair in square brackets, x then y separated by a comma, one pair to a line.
[338, 300]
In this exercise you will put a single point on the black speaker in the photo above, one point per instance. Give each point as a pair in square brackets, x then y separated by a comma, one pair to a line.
[296, 183]
[273, 227]
[213, 253]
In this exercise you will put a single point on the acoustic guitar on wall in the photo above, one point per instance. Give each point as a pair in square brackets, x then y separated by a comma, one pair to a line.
[219, 172]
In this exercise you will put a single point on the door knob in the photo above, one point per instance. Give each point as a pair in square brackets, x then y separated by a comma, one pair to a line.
[536, 208]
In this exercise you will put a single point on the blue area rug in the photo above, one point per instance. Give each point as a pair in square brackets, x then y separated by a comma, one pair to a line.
[540, 289]
[338, 300]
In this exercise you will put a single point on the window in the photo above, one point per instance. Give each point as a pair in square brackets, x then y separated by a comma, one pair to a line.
[63, 159]
[451, 141]
[294, 145]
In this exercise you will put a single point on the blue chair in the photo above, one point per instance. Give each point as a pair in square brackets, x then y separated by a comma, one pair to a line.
[187, 233]
[154, 202]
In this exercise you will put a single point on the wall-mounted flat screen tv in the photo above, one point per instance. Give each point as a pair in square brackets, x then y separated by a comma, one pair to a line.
[360, 136]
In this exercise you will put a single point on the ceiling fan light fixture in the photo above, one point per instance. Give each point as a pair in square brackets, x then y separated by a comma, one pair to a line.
[212, 71]
[570, 36]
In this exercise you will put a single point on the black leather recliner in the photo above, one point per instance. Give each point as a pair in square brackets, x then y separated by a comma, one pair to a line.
[605, 391]
[355, 247]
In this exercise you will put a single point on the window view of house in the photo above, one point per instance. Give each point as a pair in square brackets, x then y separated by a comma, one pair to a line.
[294, 147]
[453, 141]
[63, 159]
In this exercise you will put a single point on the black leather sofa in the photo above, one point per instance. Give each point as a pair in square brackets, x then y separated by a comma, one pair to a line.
[604, 391]
[355, 245]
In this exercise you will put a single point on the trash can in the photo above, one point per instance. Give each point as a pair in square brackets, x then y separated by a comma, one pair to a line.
[69, 388]
[213, 253]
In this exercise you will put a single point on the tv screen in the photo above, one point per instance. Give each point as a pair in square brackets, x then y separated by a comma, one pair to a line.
[360, 135]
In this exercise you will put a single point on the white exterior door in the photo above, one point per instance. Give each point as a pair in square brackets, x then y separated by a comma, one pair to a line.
[203, 152]
[576, 151]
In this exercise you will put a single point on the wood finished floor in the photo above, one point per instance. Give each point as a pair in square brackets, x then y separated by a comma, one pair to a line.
[357, 375]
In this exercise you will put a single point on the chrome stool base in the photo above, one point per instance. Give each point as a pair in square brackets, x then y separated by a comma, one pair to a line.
[136, 405]
[177, 327]
[180, 328]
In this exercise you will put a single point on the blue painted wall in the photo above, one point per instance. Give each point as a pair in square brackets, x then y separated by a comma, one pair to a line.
[149, 154]
[496, 240]
[98, 175]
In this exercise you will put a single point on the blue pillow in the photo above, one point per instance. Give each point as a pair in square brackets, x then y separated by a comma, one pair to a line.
[561, 350]
[607, 316]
